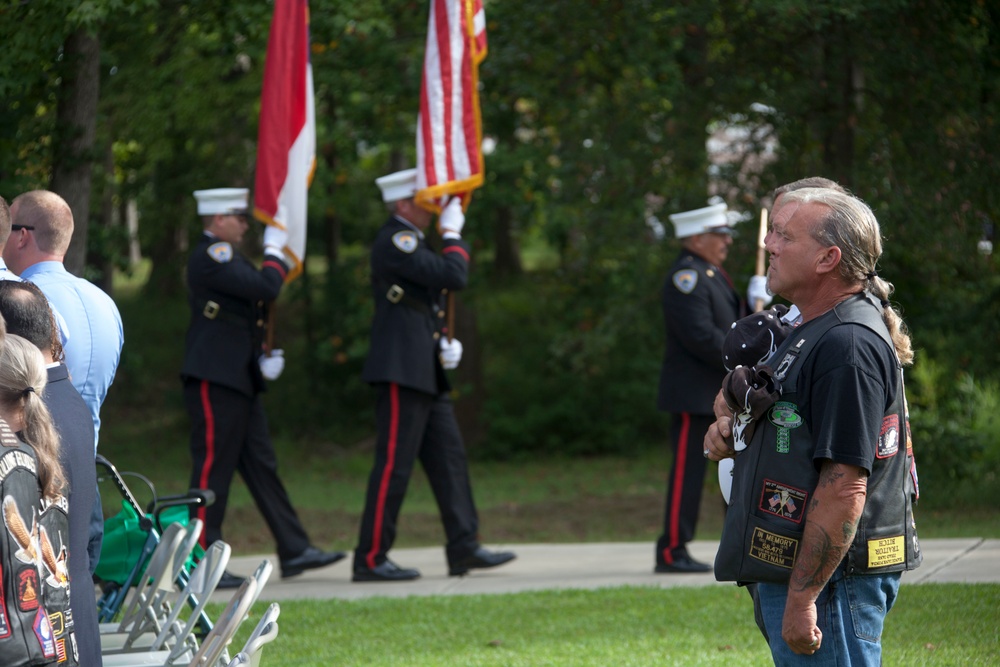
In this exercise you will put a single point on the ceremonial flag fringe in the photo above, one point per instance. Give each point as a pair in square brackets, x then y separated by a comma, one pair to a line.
[449, 126]
[286, 141]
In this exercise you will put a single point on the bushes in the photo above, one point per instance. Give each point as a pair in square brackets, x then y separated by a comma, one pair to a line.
[955, 423]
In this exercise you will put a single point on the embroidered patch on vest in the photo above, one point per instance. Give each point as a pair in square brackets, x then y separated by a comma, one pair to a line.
[783, 501]
[785, 417]
[221, 252]
[888, 437]
[27, 589]
[773, 548]
[405, 241]
[57, 623]
[781, 370]
[44, 633]
[886, 551]
[685, 280]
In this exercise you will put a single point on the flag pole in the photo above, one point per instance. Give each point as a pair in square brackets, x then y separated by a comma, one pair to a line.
[758, 304]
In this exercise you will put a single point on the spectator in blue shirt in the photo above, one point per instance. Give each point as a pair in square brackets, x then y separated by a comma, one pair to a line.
[42, 226]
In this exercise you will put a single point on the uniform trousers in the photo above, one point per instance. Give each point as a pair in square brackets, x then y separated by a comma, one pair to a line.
[684, 486]
[228, 434]
[414, 425]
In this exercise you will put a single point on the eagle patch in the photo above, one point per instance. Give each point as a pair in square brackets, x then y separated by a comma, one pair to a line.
[221, 252]
[405, 241]
[685, 280]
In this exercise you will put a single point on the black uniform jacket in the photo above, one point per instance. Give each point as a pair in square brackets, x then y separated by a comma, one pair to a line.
[699, 307]
[227, 295]
[405, 334]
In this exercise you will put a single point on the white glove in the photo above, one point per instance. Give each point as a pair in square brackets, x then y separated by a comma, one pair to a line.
[757, 289]
[272, 364]
[275, 241]
[451, 353]
[452, 220]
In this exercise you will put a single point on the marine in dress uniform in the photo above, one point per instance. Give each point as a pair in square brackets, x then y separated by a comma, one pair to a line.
[224, 373]
[406, 365]
[699, 306]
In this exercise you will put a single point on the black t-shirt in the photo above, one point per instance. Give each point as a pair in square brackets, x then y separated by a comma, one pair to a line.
[847, 385]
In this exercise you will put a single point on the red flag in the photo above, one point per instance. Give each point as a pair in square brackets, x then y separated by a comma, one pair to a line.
[286, 141]
[449, 126]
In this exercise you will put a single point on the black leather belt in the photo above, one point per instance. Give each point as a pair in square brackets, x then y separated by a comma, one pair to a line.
[396, 294]
[211, 310]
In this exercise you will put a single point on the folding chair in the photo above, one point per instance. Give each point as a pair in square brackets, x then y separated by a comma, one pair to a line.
[211, 653]
[156, 577]
[165, 626]
[131, 537]
[265, 632]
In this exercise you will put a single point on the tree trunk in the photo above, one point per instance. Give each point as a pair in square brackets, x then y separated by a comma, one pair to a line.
[507, 260]
[77, 122]
[689, 127]
[467, 380]
[844, 77]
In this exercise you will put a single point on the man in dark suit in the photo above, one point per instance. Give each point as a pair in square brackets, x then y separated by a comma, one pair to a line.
[406, 364]
[27, 314]
[225, 365]
[700, 304]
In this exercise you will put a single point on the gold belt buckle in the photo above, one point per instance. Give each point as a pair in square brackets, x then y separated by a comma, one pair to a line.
[211, 310]
[395, 294]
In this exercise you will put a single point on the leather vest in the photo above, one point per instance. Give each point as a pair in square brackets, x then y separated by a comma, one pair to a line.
[36, 624]
[773, 479]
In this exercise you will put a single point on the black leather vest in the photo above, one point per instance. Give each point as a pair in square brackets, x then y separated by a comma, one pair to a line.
[773, 479]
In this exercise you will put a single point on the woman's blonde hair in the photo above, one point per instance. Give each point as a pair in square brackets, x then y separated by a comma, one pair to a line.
[22, 379]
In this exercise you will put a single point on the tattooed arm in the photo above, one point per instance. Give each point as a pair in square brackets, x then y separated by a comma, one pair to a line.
[834, 511]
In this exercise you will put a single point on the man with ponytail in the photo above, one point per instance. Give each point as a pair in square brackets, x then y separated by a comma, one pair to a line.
[821, 513]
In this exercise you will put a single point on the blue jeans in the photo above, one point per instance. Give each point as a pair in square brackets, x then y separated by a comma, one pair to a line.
[850, 611]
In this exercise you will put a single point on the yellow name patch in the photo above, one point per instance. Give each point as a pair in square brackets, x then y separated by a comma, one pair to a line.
[887, 551]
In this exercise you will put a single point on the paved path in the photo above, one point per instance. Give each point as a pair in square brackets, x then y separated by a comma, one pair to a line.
[552, 566]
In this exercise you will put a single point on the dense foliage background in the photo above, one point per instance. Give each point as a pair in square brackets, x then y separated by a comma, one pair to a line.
[600, 112]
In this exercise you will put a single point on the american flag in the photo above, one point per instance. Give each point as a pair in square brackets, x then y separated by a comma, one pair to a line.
[449, 126]
[286, 141]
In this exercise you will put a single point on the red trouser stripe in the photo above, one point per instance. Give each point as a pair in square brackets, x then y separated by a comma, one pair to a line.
[206, 466]
[390, 462]
[675, 499]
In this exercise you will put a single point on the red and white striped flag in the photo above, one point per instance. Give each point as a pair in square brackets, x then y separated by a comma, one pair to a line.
[449, 127]
[286, 141]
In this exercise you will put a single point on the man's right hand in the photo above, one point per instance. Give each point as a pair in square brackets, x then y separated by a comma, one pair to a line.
[271, 365]
[451, 353]
[275, 240]
[718, 440]
[452, 220]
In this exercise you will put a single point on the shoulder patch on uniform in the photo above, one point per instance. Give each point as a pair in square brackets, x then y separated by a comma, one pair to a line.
[685, 280]
[405, 241]
[221, 252]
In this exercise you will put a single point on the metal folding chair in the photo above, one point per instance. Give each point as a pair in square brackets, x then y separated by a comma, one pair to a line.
[212, 651]
[265, 633]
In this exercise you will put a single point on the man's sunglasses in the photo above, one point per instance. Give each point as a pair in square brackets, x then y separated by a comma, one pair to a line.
[17, 228]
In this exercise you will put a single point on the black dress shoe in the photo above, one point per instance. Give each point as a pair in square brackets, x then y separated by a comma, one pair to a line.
[479, 559]
[387, 571]
[230, 580]
[683, 564]
[309, 559]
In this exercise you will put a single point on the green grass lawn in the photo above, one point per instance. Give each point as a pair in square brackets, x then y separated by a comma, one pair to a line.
[932, 624]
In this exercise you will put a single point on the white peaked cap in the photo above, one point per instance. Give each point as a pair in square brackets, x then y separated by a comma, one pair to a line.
[222, 201]
[709, 219]
[398, 185]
